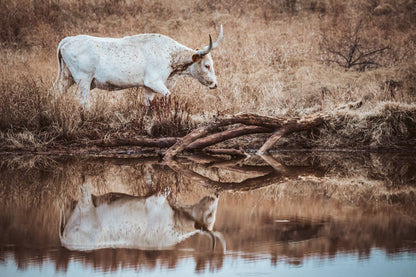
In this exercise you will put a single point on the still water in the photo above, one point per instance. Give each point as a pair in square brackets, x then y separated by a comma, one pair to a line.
[290, 214]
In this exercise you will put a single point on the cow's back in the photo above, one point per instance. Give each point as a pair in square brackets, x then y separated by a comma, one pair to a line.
[118, 62]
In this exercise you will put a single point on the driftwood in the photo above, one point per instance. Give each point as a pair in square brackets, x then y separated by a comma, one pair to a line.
[238, 125]
[253, 123]
[228, 134]
[144, 142]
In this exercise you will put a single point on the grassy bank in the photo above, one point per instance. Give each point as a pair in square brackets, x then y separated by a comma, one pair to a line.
[285, 57]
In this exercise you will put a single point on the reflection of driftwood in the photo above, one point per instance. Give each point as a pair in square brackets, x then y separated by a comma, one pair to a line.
[268, 176]
[246, 185]
[222, 151]
[273, 163]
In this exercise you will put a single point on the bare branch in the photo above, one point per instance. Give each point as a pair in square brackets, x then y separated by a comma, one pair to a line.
[348, 50]
[376, 51]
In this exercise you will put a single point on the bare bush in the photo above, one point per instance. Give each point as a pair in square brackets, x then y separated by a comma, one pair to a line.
[351, 50]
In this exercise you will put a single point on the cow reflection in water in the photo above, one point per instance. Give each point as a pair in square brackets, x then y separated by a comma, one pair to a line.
[116, 220]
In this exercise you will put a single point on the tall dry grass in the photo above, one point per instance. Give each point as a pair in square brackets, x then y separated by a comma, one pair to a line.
[273, 61]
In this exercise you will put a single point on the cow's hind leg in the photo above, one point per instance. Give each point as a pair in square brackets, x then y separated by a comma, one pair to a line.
[64, 79]
[84, 86]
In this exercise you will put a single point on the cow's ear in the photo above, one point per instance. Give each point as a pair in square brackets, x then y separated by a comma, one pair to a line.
[196, 58]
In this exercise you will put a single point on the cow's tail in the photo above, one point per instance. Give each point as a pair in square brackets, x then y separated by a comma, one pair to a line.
[61, 67]
[60, 64]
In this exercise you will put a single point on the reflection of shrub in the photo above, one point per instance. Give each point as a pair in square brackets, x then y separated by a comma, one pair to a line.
[349, 49]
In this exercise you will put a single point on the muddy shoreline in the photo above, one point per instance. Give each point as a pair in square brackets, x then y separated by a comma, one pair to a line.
[146, 151]
[392, 128]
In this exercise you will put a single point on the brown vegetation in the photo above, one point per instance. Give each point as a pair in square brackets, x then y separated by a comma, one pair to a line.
[273, 61]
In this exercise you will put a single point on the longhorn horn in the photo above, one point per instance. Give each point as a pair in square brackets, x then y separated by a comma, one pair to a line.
[213, 240]
[205, 51]
[218, 39]
[211, 45]
[222, 240]
[213, 235]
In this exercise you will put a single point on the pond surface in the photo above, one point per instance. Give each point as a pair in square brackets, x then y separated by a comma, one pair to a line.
[290, 214]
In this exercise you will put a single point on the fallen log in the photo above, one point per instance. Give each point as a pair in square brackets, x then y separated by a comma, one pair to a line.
[145, 142]
[201, 138]
[246, 119]
[290, 127]
[213, 133]
[253, 123]
[225, 135]
[262, 124]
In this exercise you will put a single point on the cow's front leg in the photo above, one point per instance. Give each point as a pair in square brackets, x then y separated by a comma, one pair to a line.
[148, 97]
[150, 89]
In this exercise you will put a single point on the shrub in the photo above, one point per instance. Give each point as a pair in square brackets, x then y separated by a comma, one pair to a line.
[170, 117]
[349, 49]
[23, 104]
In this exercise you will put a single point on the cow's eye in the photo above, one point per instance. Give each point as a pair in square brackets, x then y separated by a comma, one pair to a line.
[207, 66]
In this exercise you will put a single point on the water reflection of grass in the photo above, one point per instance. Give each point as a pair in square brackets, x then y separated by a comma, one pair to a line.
[333, 175]
[348, 206]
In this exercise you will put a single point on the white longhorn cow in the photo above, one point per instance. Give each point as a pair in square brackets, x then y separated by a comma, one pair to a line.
[152, 61]
[117, 220]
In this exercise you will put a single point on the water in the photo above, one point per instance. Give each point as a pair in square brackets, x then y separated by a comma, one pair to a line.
[291, 214]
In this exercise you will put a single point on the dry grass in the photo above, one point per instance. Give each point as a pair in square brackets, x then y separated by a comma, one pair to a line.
[272, 61]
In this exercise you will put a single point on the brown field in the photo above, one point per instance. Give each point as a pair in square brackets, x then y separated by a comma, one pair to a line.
[282, 57]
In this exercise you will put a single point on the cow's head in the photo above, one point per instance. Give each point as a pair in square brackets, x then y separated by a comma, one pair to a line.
[202, 67]
[204, 212]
